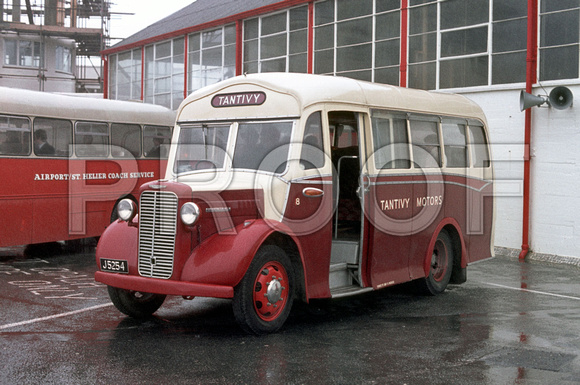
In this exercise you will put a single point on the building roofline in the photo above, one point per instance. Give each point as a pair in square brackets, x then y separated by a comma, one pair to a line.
[210, 24]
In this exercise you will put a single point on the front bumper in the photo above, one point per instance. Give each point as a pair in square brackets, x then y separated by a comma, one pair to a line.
[163, 286]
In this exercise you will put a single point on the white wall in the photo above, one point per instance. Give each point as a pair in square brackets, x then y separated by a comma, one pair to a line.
[555, 172]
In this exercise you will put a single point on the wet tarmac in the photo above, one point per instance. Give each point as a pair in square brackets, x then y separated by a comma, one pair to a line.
[511, 323]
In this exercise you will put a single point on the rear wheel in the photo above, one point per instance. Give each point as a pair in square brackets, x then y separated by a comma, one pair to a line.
[440, 267]
[263, 299]
[135, 303]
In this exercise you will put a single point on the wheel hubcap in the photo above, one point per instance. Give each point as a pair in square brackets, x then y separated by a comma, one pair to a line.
[270, 291]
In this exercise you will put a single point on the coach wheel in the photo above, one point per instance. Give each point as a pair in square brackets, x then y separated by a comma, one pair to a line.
[135, 303]
[440, 266]
[263, 299]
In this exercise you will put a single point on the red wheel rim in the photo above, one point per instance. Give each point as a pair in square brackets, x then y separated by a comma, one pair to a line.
[270, 291]
[439, 261]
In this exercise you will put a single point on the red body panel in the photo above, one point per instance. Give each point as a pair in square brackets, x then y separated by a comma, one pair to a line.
[47, 200]
[404, 215]
[309, 218]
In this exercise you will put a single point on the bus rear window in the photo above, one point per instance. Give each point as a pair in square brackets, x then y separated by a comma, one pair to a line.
[479, 149]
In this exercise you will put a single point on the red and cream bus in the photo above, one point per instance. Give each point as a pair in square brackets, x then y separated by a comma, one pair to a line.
[67, 160]
[291, 186]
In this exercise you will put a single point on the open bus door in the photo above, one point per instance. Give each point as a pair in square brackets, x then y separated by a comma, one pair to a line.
[351, 181]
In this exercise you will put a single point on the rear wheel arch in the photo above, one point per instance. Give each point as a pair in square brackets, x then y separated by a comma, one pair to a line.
[459, 272]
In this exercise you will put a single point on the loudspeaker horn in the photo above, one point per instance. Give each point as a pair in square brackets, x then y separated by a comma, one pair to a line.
[529, 100]
[561, 98]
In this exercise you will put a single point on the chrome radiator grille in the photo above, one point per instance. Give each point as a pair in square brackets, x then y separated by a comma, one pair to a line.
[157, 227]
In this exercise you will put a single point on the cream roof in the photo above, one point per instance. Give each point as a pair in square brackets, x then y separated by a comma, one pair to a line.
[308, 89]
[33, 103]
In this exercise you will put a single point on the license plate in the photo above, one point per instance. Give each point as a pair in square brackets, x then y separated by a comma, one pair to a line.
[114, 266]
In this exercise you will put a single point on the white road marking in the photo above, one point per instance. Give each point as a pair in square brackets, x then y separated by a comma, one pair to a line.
[12, 325]
[533, 291]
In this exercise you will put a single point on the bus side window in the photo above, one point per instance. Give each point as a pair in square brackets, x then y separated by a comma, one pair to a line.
[312, 155]
[425, 139]
[479, 149]
[91, 139]
[390, 140]
[156, 140]
[14, 135]
[57, 134]
[455, 140]
[125, 140]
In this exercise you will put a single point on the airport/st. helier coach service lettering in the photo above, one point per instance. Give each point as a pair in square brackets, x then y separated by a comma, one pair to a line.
[93, 176]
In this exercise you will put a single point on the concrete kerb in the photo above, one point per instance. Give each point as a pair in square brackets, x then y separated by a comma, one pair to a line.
[539, 257]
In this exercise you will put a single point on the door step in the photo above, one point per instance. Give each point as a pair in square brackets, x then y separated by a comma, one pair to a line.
[347, 291]
[339, 275]
[344, 251]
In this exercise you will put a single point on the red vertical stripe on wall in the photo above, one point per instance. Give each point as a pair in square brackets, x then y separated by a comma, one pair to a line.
[142, 72]
[531, 78]
[404, 39]
[310, 37]
[239, 47]
[105, 60]
[185, 71]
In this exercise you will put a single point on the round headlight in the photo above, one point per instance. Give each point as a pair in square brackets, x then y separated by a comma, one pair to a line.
[126, 209]
[189, 213]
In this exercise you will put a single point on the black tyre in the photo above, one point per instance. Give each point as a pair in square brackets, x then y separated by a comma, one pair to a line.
[441, 267]
[263, 299]
[135, 303]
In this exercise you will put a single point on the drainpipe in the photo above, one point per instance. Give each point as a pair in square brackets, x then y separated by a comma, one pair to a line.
[404, 49]
[531, 78]
[105, 75]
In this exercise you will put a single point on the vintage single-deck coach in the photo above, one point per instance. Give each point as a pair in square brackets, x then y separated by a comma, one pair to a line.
[291, 186]
[67, 160]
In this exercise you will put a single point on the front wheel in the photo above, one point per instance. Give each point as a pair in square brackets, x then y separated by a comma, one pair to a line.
[135, 303]
[263, 299]
[440, 267]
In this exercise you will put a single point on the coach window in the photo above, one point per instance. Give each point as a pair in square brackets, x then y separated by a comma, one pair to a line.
[156, 141]
[312, 155]
[390, 140]
[478, 144]
[455, 142]
[56, 133]
[14, 135]
[125, 140]
[92, 139]
[425, 139]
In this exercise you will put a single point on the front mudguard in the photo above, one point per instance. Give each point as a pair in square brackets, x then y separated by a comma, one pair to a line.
[119, 241]
[223, 259]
